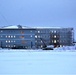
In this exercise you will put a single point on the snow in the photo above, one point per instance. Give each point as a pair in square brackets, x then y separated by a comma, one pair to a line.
[33, 62]
[70, 48]
[16, 27]
[12, 26]
[47, 27]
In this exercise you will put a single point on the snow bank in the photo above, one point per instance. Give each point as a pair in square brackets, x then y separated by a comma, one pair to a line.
[34, 62]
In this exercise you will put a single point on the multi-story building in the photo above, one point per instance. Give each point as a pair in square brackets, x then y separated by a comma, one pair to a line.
[29, 38]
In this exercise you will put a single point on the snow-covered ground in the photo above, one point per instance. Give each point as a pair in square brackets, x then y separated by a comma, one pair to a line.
[37, 62]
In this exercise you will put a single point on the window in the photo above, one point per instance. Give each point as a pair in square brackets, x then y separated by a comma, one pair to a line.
[6, 36]
[57, 40]
[41, 46]
[60, 45]
[55, 31]
[14, 45]
[54, 36]
[60, 41]
[38, 36]
[6, 45]
[54, 41]
[26, 47]
[6, 41]
[9, 41]
[1, 30]
[52, 31]
[22, 32]
[41, 41]
[38, 31]
[14, 36]
[36, 41]
[22, 37]
[31, 35]
[1, 36]
[31, 31]
[35, 36]
[9, 46]
[9, 36]
[23, 41]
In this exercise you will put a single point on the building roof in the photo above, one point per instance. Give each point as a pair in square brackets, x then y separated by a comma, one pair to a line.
[16, 27]
[25, 27]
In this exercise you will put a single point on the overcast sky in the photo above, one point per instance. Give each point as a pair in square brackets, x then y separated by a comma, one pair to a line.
[59, 13]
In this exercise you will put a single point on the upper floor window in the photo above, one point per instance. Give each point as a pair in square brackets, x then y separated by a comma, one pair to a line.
[35, 36]
[14, 40]
[1, 36]
[31, 31]
[38, 36]
[54, 36]
[9, 41]
[38, 31]
[9, 36]
[22, 37]
[6, 36]
[6, 41]
[14, 36]
[22, 32]
[1, 30]
[23, 41]
[36, 41]
[54, 31]
[54, 41]
[31, 35]
[41, 41]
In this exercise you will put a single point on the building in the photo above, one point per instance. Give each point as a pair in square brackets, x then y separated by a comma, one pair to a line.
[35, 38]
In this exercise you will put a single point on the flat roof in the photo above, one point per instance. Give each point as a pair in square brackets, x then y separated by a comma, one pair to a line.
[25, 27]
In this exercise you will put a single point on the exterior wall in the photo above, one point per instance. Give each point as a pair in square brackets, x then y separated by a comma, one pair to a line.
[17, 37]
[54, 36]
[35, 38]
[45, 35]
[66, 36]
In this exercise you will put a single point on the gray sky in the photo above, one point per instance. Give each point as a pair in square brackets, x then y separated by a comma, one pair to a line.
[59, 13]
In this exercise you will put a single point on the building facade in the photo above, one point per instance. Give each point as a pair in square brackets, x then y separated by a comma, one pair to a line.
[35, 38]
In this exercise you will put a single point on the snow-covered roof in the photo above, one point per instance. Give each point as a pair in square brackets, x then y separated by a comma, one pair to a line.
[25, 27]
[10, 27]
[14, 27]
[47, 27]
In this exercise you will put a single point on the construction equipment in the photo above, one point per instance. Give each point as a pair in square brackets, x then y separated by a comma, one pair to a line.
[46, 47]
